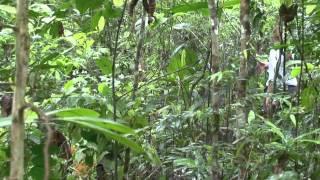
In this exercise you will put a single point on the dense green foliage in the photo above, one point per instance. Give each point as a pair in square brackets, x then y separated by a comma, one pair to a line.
[167, 119]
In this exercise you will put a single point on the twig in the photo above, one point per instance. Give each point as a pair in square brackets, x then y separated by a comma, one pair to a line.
[201, 77]
[45, 120]
[153, 172]
[158, 78]
[2, 25]
[6, 84]
[238, 140]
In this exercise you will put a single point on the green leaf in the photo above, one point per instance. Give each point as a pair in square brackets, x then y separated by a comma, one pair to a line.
[5, 121]
[190, 163]
[251, 117]
[200, 6]
[151, 154]
[293, 120]
[245, 54]
[174, 64]
[103, 123]
[41, 9]
[276, 145]
[310, 66]
[95, 20]
[36, 172]
[310, 141]
[104, 89]
[181, 59]
[69, 87]
[308, 97]
[101, 23]
[104, 127]
[275, 130]
[8, 9]
[293, 62]
[83, 5]
[310, 8]
[230, 3]
[3, 155]
[189, 7]
[105, 65]
[71, 112]
[295, 72]
[111, 12]
[279, 46]
[316, 131]
[118, 3]
[56, 28]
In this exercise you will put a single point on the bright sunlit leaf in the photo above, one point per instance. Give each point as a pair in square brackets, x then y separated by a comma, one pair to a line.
[310, 8]
[251, 117]
[293, 120]
[118, 3]
[295, 72]
[8, 9]
[70, 112]
[101, 23]
[5, 121]
[69, 87]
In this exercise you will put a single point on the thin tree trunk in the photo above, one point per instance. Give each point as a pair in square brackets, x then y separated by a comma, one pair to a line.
[114, 98]
[212, 5]
[17, 128]
[214, 36]
[245, 37]
[214, 59]
[243, 76]
[137, 76]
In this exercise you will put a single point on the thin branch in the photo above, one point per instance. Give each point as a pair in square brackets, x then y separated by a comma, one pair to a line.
[44, 120]
[303, 62]
[301, 38]
[113, 83]
[156, 79]
[201, 77]
[2, 25]
[6, 84]
[137, 78]
[153, 172]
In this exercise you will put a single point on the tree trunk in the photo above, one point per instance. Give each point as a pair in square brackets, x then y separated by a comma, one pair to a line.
[17, 128]
[245, 37]
[138, 73]
[214, 89]
[243, 76]
[214, 62]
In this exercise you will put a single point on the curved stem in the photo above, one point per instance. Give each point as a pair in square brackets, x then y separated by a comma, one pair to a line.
[115, 147]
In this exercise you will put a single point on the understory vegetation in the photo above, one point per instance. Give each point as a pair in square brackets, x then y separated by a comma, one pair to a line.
[168, 90]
